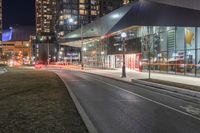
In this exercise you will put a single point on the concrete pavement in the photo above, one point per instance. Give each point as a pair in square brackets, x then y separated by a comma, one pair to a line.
[144, 75]
[118, 107]
[3, 70]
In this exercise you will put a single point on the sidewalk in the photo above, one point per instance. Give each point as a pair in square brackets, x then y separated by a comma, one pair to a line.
[141, 75]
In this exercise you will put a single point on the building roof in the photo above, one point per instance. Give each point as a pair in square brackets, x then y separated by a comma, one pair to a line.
[191, 4]
[141, 13]
[18, 33]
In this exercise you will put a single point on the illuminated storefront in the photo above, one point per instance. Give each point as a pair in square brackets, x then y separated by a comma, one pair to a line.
[173, 50]
[160, 37]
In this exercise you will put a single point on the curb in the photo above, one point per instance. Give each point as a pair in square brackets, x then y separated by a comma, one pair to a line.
[91, 128]
[169, 88]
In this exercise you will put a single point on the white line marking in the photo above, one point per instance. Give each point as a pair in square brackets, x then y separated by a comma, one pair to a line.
[150, 100]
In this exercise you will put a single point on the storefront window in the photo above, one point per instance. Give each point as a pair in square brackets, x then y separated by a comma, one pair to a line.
[163, 62]
[180, 37]
[190, 37]
[155, 29]
[179, 57]
[190, 62]
[163, 41]
[145, 61]
[171, 40]
[143, 31]
[198, 38]
[171, 61]
[156, 43]
[198, 62]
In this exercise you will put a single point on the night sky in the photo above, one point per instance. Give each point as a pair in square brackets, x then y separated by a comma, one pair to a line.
[18, 12]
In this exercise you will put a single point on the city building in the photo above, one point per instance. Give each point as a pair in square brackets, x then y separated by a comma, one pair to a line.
[0, 19]
[45, 12]
[44, 40]
[161, 37]
[107, 6]
[72, 14]
[16, 46]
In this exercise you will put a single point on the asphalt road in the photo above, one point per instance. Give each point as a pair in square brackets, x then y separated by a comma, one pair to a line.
[118, 107]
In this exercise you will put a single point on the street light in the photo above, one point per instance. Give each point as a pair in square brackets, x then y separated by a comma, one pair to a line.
[123, 36]
[48, 40]
[82, 64]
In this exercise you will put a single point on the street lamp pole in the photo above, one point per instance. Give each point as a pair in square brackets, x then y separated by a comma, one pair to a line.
[82, 63]
[123, 35]
[149, 53]
[48, 45]
[48, 51]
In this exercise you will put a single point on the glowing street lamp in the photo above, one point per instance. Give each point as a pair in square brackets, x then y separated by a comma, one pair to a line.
[71, 20]
[123, 35]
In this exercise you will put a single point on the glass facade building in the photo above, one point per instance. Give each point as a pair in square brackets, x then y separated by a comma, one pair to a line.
[161, 37]
[173, 50]
[45, 13]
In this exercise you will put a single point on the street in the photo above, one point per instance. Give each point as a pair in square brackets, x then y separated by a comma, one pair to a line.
[119, 107]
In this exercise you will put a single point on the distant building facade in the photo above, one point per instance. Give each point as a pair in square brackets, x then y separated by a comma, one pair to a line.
[16, 45]
[0, 19]
[45, 11]
[72, 13]
[158, 38]
[44, 40]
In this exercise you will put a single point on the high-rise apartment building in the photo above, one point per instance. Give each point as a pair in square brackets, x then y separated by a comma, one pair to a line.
[107, 6]
[43, 43]
[45, 11]
[0, 28]
[0, 19]
[71, 14]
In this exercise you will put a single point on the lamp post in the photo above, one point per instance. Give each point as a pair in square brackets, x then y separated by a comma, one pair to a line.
[123, 36]
[48, 41]
[48, 50]
[82, 63]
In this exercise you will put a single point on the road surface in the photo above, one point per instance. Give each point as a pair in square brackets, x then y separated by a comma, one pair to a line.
[119, 107]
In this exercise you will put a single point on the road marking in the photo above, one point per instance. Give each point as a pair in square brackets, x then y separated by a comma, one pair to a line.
[191, 109]
[75, 80]
[197, 118]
